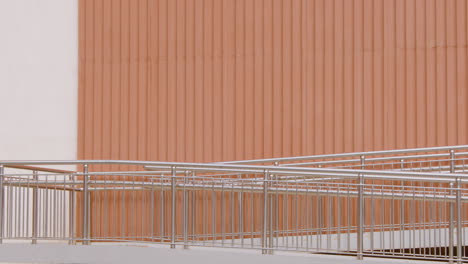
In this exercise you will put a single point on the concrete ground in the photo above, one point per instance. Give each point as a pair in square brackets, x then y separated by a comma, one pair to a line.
[142, 253]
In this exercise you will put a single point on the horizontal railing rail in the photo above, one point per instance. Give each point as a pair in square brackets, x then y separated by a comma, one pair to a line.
[351, 154]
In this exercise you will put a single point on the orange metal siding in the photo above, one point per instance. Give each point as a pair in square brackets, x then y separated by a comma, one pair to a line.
[212, 80]
[208, 80]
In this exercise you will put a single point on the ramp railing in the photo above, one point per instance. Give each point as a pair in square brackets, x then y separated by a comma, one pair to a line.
[360, 210]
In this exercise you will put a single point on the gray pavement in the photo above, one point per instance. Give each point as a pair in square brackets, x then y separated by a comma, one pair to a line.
[142, 253]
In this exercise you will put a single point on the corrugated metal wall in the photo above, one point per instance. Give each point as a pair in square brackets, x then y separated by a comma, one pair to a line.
[211, 80]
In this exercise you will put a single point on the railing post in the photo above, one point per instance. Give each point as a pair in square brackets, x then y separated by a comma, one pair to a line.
[86, 211]
[458, 204]
[186, 211]
[451, 227]
[241, 211]
[459, 222]
[360, 220]
[162, 213]
[71, 220]
[35, 212]
[360, 234]
[273, 210]
[192, 211]
[265, 213]
[402, 205]
[152, 209]
[2, 201]
[173, 207]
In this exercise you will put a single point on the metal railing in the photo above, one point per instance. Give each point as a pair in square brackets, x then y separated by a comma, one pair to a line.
[343, 205]
[416, 159]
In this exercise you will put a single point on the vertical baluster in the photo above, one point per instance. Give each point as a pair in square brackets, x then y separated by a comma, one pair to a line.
[185, 221]
[265, 213]
[360, 234]
[173, 207]
[86, 207]
[152, 209]
[71, 209]
[458, 205]
[459, 221]
[451, 227]
[34, 210]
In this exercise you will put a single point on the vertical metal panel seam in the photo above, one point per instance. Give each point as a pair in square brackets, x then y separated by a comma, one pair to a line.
[436, 78]
[93, 86]
[425, 99]
[333, 79]
[236, 147]
[466, 67]
[403, 89]
[353, 86]
[137, 85]
[303, 61]
[129, 82]
[222, 75]
[148, 63]
[81, 71]
[101, 99]
[372, 82]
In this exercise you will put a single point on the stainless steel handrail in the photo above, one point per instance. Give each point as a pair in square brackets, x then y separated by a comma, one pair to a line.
[270, 160]
[185, 166]
[350, 154]
[240, 204]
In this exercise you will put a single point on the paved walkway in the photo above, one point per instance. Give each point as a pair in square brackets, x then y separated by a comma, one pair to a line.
[142, 253]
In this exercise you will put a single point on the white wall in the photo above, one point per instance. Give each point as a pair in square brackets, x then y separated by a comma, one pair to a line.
[38, 79]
